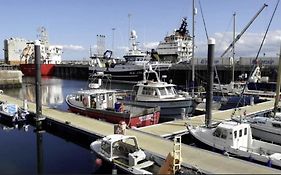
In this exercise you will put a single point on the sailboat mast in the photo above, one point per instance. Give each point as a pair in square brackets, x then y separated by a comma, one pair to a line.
[233, 47]
[277, 97]
[192, 58]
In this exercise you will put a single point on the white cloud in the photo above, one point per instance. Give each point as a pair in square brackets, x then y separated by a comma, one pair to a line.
[150, 45]
[73, 47]
[247, 45]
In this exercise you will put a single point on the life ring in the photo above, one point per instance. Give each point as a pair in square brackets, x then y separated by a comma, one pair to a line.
[85, 101]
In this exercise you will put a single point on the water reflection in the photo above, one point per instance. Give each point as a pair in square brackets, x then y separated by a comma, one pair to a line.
[54, 90]
[51, 89]
[24, 150]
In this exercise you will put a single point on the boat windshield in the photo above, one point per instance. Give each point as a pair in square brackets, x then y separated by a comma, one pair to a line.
[105, 146]
[162, 91]
[171, 91]
[220, 133]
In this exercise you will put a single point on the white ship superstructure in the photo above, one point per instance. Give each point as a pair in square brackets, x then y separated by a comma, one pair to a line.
[21, 51]
[176, 47]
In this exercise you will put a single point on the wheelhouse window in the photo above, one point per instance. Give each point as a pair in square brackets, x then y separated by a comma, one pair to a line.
[240, 133]
[170, 91]
[105, 147]
[235, 134]
[245, 131]
[162, 91]
[220, 133]
[276, 125]
[148, 91]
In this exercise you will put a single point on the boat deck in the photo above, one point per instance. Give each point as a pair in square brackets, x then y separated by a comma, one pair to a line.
[205, 161]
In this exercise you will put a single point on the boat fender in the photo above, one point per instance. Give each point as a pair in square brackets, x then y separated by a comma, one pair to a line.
[250, 158]
[269, 162]
[85, 102]
[225, 153]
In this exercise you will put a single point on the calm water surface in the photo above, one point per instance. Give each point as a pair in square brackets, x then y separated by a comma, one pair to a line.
[24, 151]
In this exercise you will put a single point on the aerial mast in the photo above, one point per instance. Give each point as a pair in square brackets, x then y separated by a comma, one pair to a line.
[193, 35]
[233, 47]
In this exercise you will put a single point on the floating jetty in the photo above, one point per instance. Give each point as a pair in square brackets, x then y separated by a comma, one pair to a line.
[205, 161]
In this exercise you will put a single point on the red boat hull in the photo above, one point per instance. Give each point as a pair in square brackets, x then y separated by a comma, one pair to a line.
[112, 117]
[29, 69]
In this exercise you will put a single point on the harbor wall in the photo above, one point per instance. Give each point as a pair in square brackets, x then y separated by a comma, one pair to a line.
[180, 74]
[72, 71]
[10, 78]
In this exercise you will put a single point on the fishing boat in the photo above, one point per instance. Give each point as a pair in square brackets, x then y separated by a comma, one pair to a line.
[102, 104]
[50, 56]
[176, 47]
[124, 152]
[151, 91]
[12, 112]
[235, 139]
[136, 61]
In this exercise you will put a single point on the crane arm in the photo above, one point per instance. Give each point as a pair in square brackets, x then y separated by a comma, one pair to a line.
[244, 30]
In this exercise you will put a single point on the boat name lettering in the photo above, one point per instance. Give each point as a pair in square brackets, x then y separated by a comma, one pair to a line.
[146, 117]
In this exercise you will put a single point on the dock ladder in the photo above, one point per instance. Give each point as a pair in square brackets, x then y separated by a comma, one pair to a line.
[177, 153]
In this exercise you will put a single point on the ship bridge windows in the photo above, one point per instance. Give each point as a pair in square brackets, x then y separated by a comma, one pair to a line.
[148, 91]
[162, 91]
[171, 91]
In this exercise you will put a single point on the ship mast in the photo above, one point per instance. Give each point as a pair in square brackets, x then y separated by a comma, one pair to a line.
[192, 57]
[233, 53]
[43, 36]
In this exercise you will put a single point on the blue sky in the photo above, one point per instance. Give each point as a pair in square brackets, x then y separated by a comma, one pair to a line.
[74, 24]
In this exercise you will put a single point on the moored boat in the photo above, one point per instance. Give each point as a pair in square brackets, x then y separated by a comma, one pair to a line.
[102, 104]
[12, 113]
[50, 56]
[152, 91]
[236, 139]
[136, 61]
[124, 152]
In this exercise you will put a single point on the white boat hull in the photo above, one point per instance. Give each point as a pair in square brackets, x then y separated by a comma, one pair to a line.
[273, 135]
[257, 152]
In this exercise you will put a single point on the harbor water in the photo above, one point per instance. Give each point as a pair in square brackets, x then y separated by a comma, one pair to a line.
[25, 151]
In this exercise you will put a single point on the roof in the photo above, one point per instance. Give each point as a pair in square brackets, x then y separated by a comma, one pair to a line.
[232, 125]
[116, 137]
[96, 91]
[155, 84]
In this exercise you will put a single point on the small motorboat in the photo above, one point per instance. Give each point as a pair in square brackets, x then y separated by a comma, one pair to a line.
[124, 152]
[12, 112]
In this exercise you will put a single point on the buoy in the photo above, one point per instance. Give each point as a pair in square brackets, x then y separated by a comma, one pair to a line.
[98, 162]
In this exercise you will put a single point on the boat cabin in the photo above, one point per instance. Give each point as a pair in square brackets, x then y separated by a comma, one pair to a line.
[97, 98]
[236, 135]
[151, 88]
[121, 146]
[154, 90]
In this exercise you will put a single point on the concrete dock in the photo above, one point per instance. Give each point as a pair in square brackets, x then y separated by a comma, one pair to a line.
[205, 161]
[179, 126]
